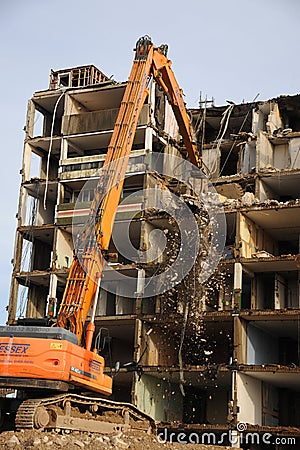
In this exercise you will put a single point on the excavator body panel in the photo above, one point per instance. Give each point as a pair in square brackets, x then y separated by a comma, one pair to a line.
[50, 355]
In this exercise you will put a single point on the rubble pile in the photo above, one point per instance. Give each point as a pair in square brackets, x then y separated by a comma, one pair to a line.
[134, 440]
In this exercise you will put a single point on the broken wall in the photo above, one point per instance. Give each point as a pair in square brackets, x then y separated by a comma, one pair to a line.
[63, 249]
[253, 238]
[159, 397]
[249, 398]
[262, 347]
[162, 347]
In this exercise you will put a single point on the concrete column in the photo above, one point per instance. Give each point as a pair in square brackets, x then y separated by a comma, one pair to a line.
[237, 285]
[221, 301]
[64, 149]
[152, 101]
[13, 301]
[148, 139]
[29, 128]
[52, 299]
[26, 162]
[137, 353]
[149, 130]
[140, 285]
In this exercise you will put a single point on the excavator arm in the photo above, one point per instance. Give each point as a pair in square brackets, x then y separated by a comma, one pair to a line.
[86, 270]
[164, 75]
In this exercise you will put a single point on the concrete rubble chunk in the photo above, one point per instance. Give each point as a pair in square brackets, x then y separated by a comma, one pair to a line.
[60, 442]
[119, 434]
[79, 443]
[13, 441]
[117, 442]
[105, 438]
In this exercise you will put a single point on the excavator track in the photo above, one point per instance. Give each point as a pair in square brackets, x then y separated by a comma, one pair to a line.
[27, 416]
[69, 412]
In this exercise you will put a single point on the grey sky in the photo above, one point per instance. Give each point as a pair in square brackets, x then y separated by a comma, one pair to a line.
[230, 49]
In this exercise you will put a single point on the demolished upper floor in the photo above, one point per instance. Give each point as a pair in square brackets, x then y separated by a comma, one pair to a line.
[249, 138]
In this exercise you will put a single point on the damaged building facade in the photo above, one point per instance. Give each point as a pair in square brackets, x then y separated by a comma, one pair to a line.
[208, 356]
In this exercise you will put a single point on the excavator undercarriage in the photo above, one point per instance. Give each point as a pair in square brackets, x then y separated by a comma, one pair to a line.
[71, 411]
[82, 413]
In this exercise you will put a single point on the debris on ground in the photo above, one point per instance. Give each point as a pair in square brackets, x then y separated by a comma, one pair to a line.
[132, 440]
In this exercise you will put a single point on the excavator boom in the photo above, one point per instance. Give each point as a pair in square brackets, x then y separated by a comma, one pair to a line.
[81, 285]
[59, 358]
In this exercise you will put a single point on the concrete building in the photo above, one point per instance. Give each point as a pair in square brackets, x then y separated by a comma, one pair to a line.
[209, 356]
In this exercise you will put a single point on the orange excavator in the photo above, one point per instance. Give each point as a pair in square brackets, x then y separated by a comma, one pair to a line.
[39, 362]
